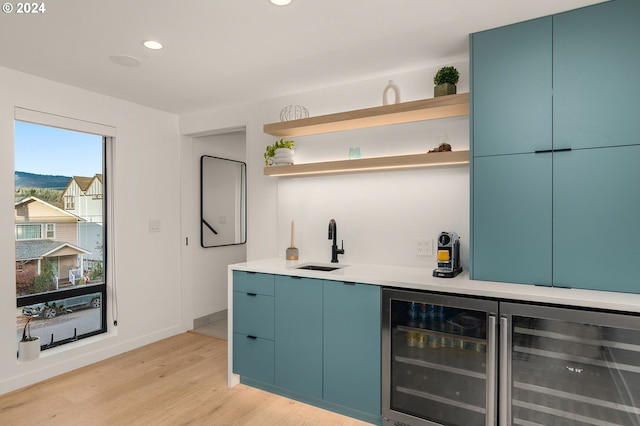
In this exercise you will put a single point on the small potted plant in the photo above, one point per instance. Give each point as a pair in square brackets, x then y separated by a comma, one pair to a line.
[29, 346]
[445, 81]
[280, 153]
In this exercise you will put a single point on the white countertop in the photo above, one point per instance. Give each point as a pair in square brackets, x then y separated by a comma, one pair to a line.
[422, 279]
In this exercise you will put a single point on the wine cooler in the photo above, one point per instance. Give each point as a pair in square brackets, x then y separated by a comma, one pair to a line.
[461, 361]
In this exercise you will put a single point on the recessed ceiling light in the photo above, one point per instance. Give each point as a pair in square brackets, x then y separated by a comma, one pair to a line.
[280, 2]
[152, 44]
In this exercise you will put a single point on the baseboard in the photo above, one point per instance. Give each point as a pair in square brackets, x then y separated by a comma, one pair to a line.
[208, 319]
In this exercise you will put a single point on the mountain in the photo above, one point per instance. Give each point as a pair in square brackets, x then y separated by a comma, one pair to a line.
[32, 180]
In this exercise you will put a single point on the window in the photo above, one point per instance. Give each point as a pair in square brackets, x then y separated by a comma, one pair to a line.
[69, 202]
[28, 232]
[60, 254]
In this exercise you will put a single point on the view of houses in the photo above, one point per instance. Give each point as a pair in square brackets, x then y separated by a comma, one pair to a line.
[59, 243]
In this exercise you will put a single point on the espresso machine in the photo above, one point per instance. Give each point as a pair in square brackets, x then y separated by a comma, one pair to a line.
[448, 255]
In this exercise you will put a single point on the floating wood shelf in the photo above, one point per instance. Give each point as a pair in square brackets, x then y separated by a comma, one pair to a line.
[371, 164]
[406, 112]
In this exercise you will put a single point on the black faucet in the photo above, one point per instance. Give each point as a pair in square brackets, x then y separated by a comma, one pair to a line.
[333, 234]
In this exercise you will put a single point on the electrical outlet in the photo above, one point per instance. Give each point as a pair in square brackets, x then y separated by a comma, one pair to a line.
[424, 247]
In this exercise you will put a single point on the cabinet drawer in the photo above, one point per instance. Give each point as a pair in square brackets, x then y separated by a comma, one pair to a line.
[251, 282]
[253, 314]
[253, 357]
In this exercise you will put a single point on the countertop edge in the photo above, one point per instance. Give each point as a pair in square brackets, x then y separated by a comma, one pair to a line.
[416, 278]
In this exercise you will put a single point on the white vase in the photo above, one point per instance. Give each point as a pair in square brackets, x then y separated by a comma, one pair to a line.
[28, 351]
[283, 156]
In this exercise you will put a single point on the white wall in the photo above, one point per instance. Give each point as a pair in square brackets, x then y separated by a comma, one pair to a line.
[146, 181]
[210, 264]
[379, 215]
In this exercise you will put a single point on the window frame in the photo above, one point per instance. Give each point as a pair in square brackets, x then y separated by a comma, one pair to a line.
[46, 230]
[69, 202]
[28, 225]
[108, 139]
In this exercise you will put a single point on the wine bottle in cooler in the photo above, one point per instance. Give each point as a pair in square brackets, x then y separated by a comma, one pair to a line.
[412, 338]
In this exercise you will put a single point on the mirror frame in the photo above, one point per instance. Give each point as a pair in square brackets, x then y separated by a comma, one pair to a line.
[204, 225]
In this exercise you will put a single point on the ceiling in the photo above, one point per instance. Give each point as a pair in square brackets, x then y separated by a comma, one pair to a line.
[226, 52]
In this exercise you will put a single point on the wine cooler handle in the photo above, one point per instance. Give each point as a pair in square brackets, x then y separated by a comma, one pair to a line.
[505, 363]
[491, 371]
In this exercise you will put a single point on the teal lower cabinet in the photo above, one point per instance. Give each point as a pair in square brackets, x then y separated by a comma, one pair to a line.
[325, 348]
[253, 326]
[298, 342]
[351, 354]
[253, 357]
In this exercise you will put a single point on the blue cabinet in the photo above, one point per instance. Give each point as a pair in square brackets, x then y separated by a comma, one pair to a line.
[351, 352]
[596, 207]
[511, 89]
[548, 217]
[512, 226]
[310, 339]
[511, 118]
[253, 326]
[596, 59]
[298, 342]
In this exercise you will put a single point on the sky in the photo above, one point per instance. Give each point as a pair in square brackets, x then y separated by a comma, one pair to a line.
[48, 150]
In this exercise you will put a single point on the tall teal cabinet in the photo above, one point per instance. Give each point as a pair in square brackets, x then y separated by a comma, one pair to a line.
[554, 167]
[512, 184]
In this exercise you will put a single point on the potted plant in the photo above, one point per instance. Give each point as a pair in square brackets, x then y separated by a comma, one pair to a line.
[29, 346]
[445, 81]
[281, 152]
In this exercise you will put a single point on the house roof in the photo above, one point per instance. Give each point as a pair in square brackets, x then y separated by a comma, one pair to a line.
[37, 249]
[84, 182]
[57, 209]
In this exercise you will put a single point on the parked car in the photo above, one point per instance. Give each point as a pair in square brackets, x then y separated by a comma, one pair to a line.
[48, 310]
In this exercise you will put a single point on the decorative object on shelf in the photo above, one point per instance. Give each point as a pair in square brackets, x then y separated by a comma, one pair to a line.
[443, 147]
[29, 346]
[293, 112]
[292, 251]
[354, 153]
[280, 153]
[445, 81]
[391, 94]
[443, 144]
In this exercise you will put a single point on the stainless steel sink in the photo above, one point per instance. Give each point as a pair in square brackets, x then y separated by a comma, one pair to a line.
[324, 268]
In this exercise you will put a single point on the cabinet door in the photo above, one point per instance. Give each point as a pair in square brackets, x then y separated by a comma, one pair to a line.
[596, 212]
[511, 87]
[596, 59]
[298, 338]
[512, 218]
[253, 357]
[253, 314]
[352, 345]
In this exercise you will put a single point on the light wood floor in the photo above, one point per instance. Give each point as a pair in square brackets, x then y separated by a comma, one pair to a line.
[177, 381]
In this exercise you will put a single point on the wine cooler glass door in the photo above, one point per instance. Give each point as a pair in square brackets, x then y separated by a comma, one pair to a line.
[571, 367]
[439, 352]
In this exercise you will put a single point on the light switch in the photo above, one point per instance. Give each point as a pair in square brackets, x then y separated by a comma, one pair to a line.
[154, 225]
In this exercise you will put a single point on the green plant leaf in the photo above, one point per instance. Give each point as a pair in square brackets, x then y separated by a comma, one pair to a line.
[446, 75]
